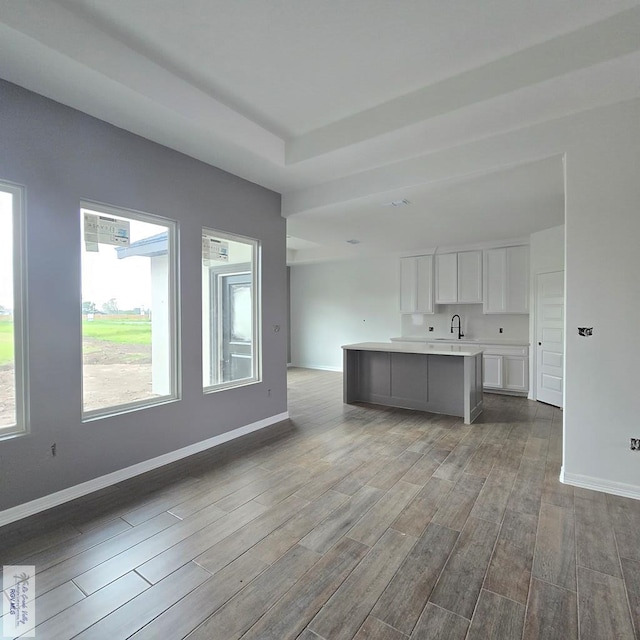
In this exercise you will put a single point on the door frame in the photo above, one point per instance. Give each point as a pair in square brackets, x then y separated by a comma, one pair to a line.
[215, 300]
[227, 346]
[533, 357]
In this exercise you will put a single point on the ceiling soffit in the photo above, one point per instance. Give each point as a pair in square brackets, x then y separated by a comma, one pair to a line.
[96, 44]
[478, 120]
[612, 38]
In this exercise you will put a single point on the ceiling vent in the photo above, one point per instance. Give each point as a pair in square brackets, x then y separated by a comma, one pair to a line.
[398, 203]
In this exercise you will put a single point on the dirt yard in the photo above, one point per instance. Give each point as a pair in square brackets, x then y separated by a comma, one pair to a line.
[113, 374]
[7, 397]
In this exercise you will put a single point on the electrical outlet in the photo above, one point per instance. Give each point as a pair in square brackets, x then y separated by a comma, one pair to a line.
[635, 444]
[54, 449]
[430, 328]
[501, 330]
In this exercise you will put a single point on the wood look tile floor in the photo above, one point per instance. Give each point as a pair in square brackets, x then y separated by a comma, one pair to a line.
[346, 522]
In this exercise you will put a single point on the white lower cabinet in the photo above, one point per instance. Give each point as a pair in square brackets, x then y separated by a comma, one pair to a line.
[516, 373]
[506, 368]
[492, 371]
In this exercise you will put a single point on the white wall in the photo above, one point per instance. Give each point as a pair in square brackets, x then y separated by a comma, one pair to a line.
[546, 251]
[475, 324]
[602, 403]
[339, 303]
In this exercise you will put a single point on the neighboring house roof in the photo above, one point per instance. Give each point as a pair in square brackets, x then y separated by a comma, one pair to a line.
[153, 246]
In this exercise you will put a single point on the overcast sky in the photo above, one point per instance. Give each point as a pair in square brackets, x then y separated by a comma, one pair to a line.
[128, 280]
[104, 276]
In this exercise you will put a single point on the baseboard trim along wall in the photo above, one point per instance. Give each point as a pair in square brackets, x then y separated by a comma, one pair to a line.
[598, 484]
[71, 493]
[317, 367]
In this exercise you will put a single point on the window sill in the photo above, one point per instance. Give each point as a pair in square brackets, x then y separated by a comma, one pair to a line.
[99, 414]
[7, 433]
[231, 385]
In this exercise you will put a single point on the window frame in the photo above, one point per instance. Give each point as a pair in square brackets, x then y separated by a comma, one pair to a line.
[256, 308]
[20, 347]
[174, 309]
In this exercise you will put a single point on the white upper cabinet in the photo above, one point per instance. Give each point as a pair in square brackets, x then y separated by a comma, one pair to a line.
[425, 284]
[408, 285]
[495, 279]
[446, 278]
[459, 277]
[506, 280]
[470, 276]
[416, 284]
[518, 279]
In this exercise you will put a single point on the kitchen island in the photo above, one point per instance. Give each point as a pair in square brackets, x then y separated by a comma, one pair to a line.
[437, 378]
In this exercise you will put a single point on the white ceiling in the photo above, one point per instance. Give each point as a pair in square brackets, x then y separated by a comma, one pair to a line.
[342, 106]
[498, 206]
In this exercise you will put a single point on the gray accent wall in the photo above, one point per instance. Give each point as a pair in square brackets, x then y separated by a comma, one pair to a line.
[62, 156]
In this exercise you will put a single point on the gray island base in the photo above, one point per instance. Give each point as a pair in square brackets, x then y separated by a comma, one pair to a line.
[437, 378]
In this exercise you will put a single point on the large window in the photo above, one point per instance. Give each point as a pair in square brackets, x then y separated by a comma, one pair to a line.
[128, 310]
[231, 310]
[13, 419]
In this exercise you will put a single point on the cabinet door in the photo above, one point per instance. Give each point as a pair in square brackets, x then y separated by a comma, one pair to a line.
[516, 373]
[470, 276]
[495, 280]
[517, 279]
[408, 284]
[424, 284]
[492, 371]
[446, 278]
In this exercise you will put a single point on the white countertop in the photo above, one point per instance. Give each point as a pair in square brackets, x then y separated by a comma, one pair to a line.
[416, 347]
[507, 342]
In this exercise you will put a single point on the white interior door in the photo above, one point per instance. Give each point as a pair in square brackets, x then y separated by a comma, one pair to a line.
[550, 337]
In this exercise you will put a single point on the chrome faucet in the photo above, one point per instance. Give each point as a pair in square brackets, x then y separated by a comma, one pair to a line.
[460, 334]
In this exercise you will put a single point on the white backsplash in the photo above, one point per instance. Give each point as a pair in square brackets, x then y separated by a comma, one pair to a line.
[475, 324]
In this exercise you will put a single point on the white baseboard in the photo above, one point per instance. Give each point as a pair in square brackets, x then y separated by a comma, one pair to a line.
[599, 484]
[71, 493]
[318, 367]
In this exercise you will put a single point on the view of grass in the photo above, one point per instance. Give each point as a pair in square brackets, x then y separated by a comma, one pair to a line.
[118, 329]
[6, 340]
